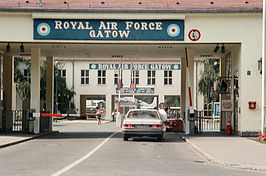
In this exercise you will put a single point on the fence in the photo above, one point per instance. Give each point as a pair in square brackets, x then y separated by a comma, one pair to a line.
[206, 123]
[20, 122]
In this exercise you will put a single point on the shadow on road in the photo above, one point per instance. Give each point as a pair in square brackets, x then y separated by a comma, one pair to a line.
[172, 137]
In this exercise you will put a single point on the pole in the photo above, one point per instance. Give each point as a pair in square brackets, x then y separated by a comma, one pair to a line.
[191, 109]
[119, 92]
[132, 81]
[118, 118]
[263, 73]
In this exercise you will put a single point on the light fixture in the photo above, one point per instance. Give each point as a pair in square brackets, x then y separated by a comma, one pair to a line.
[22, 50]
[8, 49]
[223, 49]
[216, 48]
[260, 65]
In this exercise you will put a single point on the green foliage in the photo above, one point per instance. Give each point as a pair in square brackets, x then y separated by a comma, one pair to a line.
[22, 83]
[210, 73]
[64, 96]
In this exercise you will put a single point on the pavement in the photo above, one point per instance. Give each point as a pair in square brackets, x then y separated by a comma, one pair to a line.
[8, 139]
[230, 151]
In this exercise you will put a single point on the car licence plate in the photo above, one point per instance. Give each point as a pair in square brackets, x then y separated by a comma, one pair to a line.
[142, 126]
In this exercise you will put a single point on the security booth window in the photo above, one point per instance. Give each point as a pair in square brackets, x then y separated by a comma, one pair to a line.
[84, 76]
[101, 76]
[151, 77]
[168, 77]
[135, 76]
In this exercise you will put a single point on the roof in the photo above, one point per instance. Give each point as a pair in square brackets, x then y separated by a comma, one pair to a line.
[129, 5]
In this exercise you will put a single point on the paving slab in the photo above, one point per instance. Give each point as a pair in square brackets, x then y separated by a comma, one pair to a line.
[231, 151]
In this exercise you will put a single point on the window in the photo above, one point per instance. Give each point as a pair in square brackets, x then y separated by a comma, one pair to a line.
[101, 76]
[135, 77]
[151, 77]
[84, 76]
[116, 77]
[62, 73]
[168, 77]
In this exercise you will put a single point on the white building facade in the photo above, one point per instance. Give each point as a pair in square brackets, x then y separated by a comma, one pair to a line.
[101, 79]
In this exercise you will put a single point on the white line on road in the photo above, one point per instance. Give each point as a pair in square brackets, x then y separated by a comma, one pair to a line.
[65, 169]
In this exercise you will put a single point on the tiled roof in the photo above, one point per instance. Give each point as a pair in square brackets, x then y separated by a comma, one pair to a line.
[135, 4]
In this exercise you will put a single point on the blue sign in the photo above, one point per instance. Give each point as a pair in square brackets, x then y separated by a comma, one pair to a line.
[135, 66]
[217, 109]
[138, 90]
[67, 29]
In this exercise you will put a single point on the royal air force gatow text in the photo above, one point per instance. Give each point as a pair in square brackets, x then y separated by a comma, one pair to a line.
[108, 29]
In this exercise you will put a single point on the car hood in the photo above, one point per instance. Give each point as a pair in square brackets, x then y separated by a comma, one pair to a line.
[142, 121]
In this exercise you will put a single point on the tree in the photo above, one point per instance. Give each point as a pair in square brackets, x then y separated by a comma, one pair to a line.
[63, 95]
[210, 73]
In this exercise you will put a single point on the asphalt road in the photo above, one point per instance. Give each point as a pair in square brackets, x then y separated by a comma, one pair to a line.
[86, 149]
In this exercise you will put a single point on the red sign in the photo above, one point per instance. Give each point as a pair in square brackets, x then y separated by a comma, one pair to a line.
[101, 111]
[194, 35]
[133, 86]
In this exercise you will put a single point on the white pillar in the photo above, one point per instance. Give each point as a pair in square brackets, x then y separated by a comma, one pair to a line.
[35, 85]
[108, 107]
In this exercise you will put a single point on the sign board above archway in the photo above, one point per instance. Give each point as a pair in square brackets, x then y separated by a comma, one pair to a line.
[67, 29]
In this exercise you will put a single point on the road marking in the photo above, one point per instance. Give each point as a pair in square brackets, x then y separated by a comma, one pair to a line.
[67, 168]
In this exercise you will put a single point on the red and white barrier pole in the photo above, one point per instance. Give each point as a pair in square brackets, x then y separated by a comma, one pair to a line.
[118, 117]
[190, 118]
[120, 82]
[132, 81]
[191, 109]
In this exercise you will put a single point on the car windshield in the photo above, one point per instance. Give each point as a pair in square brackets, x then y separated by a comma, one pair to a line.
[143, 114]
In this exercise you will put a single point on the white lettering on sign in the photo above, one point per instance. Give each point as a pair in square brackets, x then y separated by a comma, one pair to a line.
[136, 66]
[58, 24]
[108, 29]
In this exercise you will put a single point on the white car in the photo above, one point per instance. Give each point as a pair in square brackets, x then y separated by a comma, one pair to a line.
[142, 122]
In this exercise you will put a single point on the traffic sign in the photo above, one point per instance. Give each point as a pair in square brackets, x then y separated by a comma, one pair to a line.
[133, 86]
[101, 111]
[194, 35]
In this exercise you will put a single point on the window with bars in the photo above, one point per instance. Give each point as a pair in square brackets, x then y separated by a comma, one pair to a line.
[116, 77]
[168, 77]
[85, 76]
[101, 76]
[151, 77]
[135, 76]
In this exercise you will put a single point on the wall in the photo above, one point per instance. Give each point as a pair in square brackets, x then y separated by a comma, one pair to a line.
[109, 89]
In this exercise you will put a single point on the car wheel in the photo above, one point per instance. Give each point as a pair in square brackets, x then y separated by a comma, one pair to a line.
[125, 137]
[160, 138]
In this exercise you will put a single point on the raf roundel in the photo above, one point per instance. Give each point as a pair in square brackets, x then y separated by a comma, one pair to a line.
[173, 30]
[43, 29]
[93, 66]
